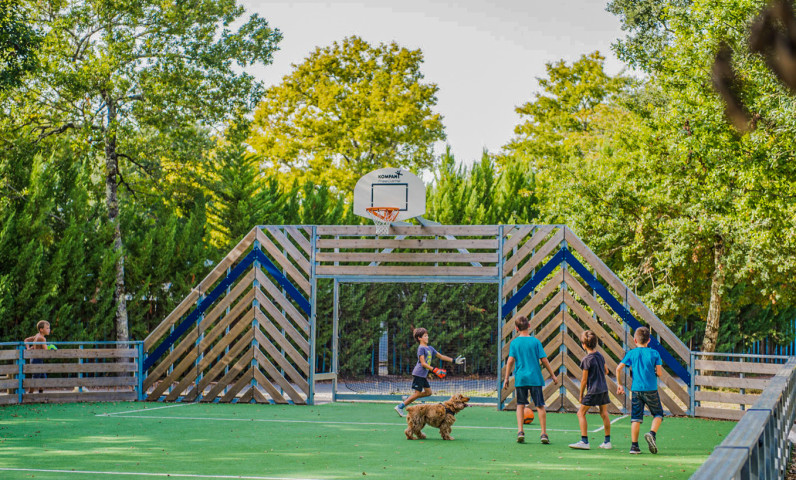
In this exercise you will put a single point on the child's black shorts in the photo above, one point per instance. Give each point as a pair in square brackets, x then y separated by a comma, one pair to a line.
[596, 399]
[420, 383]
[535, 394]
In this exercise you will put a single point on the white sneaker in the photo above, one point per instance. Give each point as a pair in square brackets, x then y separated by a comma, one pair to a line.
[606, 445]
[400, 410]
[581, 445]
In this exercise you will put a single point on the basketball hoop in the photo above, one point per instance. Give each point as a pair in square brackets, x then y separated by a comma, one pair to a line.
[382, 217]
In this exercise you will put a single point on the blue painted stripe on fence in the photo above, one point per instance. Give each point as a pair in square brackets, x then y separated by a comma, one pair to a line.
[193, 317]
[535, 280]
[626, 316]
[284, 282]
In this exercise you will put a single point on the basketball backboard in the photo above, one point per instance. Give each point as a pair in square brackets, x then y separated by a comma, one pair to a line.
[390, 187]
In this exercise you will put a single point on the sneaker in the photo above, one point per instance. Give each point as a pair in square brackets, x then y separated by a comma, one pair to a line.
[581, 445]
[545, 439]
[634, 450]
[606, 445]
[650, 438]
[521, 437]
[400, 411]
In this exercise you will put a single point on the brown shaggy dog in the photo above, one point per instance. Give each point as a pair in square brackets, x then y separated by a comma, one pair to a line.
[440, 415]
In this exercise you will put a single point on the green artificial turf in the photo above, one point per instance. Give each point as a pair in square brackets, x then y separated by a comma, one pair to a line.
[332, 441]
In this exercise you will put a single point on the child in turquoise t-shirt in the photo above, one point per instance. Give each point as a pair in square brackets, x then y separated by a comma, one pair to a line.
[526, 351]
[647, 367]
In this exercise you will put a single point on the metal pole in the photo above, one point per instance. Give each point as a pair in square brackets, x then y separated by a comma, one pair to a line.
[500, 339]
[313, 313]
[335, 339]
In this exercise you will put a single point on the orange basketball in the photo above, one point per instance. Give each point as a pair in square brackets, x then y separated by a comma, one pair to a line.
[528, 416]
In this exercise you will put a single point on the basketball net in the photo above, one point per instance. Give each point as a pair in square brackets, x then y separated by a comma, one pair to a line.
[382, 217]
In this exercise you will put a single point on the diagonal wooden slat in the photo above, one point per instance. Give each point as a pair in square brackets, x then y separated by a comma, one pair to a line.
[204, 286]
[226, 358]
[284, 303]
[592, 302]
[269, 387]
[188, 362]
[291, 249]
[295, 355]
[300, 239]
[574, 327]
[514, 237]
[554, 325]
[188, 342]
[275, 376]
[605, 337]
[241, 365]
[244, 381]
[552, 284]
[219, 329]
[248, 396]
[266, 344]
[258, 396]
[523, 272]
[542, 314]
[282, 262]
[526, 249]
[624, 292]
[276, 315]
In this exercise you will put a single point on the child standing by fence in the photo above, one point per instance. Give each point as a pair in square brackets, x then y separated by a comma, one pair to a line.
[647, 367]
[40, 343]
[593, 391]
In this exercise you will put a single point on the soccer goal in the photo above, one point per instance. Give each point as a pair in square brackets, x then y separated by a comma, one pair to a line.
[377, 350]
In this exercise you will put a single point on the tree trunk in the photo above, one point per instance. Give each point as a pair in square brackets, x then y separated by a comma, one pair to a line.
[112, 202]
[716, 288]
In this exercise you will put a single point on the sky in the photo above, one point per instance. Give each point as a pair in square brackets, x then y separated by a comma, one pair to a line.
[485, 56]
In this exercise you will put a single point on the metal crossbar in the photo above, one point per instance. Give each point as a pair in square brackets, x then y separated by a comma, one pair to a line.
[758, 446]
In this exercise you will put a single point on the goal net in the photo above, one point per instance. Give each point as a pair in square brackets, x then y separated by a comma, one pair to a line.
[377, 351]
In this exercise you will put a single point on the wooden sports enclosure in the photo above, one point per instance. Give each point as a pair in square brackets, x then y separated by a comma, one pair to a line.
[246, 332]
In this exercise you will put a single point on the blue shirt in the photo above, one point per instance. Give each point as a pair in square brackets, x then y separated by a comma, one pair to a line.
[429, 353]
[643, 361]
[527, 351]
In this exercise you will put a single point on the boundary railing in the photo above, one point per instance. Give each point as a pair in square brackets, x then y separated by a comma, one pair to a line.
[758, 446]
[726, 385]
[73, 372]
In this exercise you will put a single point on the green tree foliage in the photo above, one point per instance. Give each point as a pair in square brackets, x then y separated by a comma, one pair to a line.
[487, 193]
[346, 110]
[55, 263]
[18, 44]
[134, 79]
[731, 208]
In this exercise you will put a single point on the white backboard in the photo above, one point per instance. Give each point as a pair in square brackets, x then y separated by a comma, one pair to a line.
[390, 187]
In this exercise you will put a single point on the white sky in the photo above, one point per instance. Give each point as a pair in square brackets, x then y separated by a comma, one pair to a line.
[484, 55]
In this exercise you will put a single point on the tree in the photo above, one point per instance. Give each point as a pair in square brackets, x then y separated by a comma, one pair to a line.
[732, 195]
[18, 44]
[346, 110]
[240, 194]
[134, 79]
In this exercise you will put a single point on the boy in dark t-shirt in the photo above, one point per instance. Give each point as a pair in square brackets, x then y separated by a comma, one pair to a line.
[595, 387]
[420, 385]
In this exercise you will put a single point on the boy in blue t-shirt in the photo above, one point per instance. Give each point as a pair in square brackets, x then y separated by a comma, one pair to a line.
[420, 385]
[526, 352]
[647, 367]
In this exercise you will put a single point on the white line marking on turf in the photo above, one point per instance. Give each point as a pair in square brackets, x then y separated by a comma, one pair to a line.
[142, 410]
[612, 422]
[145, 474]
[318, 422]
